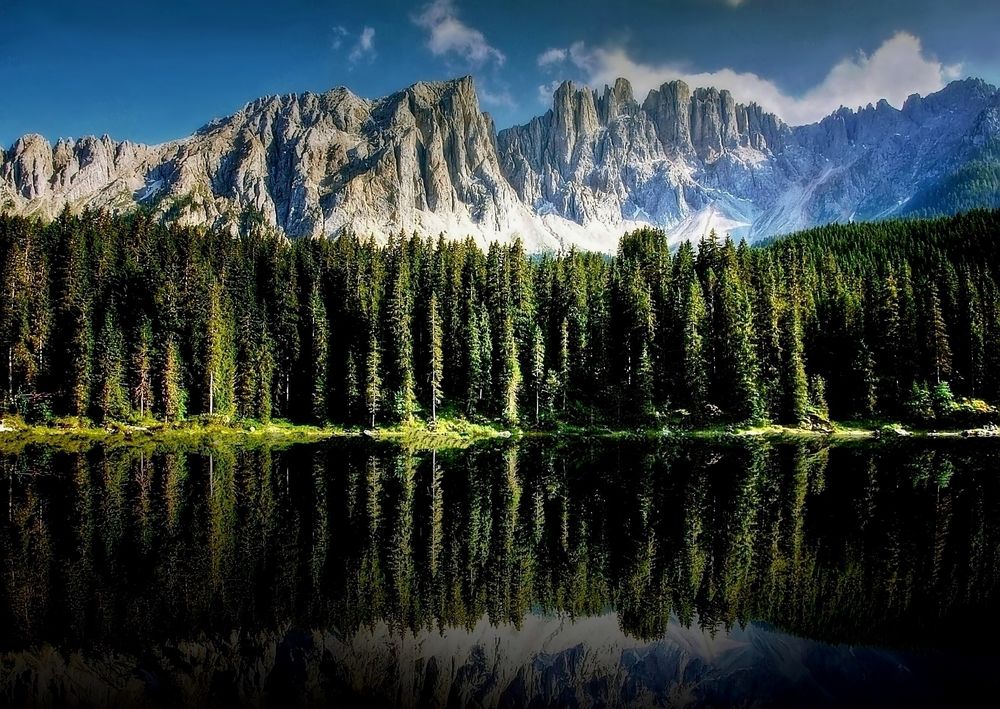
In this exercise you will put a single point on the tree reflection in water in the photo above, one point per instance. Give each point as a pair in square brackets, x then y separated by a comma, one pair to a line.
[605, 571]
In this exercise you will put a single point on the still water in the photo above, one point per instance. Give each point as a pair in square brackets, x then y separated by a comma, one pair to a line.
[535, 573]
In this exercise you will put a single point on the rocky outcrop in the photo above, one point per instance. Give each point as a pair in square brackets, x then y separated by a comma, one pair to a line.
[605, 160]
[428, 159]
[689, 161]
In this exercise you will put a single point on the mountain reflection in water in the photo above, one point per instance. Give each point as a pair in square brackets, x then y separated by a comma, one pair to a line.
[583, 573]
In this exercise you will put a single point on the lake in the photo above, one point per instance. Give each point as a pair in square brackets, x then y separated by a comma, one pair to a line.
[539, 572]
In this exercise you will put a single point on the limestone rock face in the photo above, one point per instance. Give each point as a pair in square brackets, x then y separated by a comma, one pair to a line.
[428, 159]
[689, 161]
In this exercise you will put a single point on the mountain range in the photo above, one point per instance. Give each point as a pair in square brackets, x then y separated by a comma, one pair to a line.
[596, 164]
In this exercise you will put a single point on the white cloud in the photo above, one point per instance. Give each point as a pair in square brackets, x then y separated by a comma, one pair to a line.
[898, 68]
[545, 92]
[556, 55]
[449, 35]
[364, 48]
[498, 97]
[337, 35]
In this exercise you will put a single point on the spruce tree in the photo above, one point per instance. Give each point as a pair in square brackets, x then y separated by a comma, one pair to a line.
[140, 368]
[509, 371]
[373, 378]
[537, 368]
[937, 344]
[794, 383]
[110, 401]
[436, 357]
[694, 368]
[171, 394]
[319, 338]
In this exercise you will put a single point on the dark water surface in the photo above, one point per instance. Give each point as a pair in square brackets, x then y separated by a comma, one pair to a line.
[536, 573]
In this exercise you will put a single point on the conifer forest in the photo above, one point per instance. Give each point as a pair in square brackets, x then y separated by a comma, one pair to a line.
[123, 319]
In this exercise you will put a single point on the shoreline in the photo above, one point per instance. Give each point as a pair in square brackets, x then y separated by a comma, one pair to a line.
[448, 433]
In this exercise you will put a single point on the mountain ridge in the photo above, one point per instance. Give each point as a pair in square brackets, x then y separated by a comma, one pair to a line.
[598, 163]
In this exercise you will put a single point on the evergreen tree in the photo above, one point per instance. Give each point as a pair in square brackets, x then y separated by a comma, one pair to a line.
[399, 335]
[436, 357]
[537, 368]
[794, 383]
[319, 337]
[693, 323]
[73, 346]
[171, 394]
[735, 352]
[373, 379]
[111, 403]
[937, 346]
[140, 368]
[217, 353]
[509, 372]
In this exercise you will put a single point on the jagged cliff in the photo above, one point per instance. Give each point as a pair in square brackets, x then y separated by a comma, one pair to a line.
[429, 159]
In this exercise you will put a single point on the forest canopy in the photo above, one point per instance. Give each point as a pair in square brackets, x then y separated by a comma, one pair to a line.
[120, 318]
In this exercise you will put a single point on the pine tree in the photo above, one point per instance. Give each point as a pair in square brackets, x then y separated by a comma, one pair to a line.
[73, 313]
[318, 356]
[565, 348]
[537, 368]
[436, 356]
[767, 336]
[283, 292]
[509, 372]
[110, 400]
[373, 378]
[171, 398]
[693, 365]
[644, 382]
[400, 336]
[794, 384]
[218, 356]
[888, 339]
[140, 368]
[937, 345]
[737, 357]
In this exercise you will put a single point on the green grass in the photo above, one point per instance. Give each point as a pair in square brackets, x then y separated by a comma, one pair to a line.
[451, 431]
[76, 433]
[446, 433]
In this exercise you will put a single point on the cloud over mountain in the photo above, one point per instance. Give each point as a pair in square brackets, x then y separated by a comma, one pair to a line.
[898, 68]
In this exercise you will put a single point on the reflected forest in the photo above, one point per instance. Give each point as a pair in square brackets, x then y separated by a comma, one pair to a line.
[114, 544]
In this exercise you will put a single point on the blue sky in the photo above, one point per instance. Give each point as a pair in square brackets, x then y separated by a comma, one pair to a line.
[153, 71]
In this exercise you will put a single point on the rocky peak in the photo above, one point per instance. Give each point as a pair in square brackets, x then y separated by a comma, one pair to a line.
[617, 101]
[29, 168]
[427, 158]
[713, 123]
[670, 109]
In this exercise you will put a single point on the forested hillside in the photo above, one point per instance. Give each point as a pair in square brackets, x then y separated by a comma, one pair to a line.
[120, 318]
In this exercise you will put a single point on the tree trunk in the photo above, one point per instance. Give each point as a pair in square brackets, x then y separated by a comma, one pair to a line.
[211, 392]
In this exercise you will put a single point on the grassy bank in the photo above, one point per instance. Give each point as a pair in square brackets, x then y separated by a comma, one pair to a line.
[418, 434]
[207, 431]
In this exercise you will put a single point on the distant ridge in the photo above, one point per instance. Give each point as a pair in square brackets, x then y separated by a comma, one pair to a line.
[598, 163]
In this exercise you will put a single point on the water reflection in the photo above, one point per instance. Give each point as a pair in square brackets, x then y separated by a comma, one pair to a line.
[592, 572]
